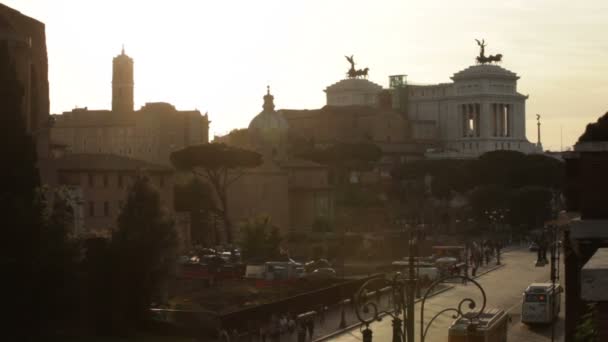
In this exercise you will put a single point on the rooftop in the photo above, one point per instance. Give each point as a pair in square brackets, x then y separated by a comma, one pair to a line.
[103, 162]
[597, 131]
[484, 71]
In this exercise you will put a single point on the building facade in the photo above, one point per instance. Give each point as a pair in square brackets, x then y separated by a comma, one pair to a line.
[25, 40]
[479, 112]
[97, 186]
[586, 237]
[294, 193]
[150, 133]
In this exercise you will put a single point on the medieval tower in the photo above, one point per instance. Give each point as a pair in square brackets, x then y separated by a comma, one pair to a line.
[122, 83]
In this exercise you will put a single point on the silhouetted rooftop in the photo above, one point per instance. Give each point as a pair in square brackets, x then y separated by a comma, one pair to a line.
[597, 131]
[86, 161]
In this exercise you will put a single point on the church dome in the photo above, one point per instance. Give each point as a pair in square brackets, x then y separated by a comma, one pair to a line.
[269, 128]
[354, 84]
[484, 71]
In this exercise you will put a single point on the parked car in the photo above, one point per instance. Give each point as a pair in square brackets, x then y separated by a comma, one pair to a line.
[533, 247]
[322, 273]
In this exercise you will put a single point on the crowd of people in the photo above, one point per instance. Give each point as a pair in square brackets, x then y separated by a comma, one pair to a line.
[282, 327]
[481, 253]
[278, 326]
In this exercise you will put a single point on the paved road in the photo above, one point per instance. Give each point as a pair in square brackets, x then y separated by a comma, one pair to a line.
[503, 288]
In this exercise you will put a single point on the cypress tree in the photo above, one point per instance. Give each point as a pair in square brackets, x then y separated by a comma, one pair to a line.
[143, 252]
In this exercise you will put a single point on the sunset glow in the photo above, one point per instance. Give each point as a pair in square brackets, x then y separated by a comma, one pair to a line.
[218, 56]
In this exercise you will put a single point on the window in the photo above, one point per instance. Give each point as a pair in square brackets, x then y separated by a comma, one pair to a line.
[91, 179]
[535, 298]
[91, 209]
[120, 181]
[105, 180]
[106, 209]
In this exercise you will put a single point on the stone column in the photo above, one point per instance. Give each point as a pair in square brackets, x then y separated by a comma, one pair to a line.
[463, 120]
[486, 120]
[494, 120]
[477, 120]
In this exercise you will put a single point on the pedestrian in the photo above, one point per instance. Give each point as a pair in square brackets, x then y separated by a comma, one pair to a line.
[291, 325]
[322, 314]
[263, 333]
[275, 329]
[301, 332]
[283, 324]
[310, 326]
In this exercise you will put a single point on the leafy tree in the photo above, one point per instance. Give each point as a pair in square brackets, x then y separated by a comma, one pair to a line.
[342, 158]
[33, 247]
[487, 199]
[587, 328]
[321, 225]
[597, 131]
[531, 205]
[446, 175]
[260, 240]
[499, 168]
[221, 165]
[513, 169]
[195, 197]
[239, 137]
[143, 252]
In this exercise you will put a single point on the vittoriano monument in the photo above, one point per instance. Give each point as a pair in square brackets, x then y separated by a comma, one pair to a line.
[354, 73]
[482, 59]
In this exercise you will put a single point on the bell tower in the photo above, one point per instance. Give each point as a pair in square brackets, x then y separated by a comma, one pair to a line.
[122, 83]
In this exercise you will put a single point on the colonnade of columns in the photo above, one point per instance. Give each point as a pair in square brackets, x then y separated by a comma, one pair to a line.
[501, 118]
[471, 113]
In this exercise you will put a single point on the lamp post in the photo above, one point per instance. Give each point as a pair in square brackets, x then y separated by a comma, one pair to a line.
[550, 238]
[343, 309]
[403, 308]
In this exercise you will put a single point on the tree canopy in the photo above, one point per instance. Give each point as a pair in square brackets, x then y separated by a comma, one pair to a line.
[597, 131]
[196, 198]
[221, 165]
[343, 158]
[496, 181]
[260, 240]
[344, 153]
[143, 250]
[214, 157]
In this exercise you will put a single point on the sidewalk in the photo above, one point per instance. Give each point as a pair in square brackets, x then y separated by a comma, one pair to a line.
[328, 324]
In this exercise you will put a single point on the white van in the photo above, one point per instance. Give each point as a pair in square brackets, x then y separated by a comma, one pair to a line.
[541, 303]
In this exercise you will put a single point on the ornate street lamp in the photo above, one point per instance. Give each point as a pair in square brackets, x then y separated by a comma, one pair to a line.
[554, 248]
[403, 301]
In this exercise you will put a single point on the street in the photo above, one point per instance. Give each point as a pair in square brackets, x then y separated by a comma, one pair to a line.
[503, 288]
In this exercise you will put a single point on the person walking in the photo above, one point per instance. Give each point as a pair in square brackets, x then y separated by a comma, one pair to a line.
[322, 314]
[310, 326]
[291, 325]
[275, 329]
[263, 332]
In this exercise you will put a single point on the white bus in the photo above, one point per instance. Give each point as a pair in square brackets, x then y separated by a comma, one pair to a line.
[541, 303]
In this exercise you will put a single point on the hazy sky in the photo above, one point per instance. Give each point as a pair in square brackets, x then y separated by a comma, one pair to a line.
[218, 56]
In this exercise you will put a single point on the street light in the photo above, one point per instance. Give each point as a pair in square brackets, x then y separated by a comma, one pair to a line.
[542, 261]
[403, 301]
[343, 309]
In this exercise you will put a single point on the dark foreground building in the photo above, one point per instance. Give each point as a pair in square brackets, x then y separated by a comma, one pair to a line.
[25, 40]
[586, 240]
